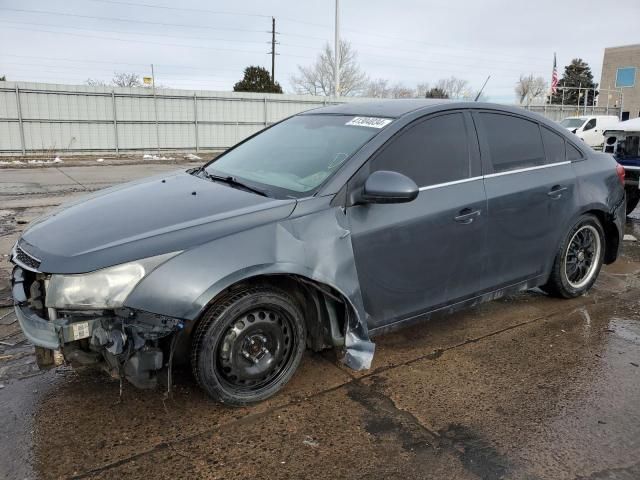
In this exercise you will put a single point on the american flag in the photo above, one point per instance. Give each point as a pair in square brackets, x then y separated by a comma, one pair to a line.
[554, 76]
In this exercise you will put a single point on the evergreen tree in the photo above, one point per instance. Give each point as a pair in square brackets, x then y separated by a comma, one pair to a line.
[257, 79]
[436, 92]
[576, 74]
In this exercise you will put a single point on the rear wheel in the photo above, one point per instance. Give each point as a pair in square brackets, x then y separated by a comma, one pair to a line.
[578, 260]
[633, 197]
[248, 345]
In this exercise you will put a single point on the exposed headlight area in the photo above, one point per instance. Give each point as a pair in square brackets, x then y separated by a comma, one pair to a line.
[103, 289]
[84, 317]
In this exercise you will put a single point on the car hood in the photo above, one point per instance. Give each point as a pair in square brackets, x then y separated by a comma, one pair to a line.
[141, 219]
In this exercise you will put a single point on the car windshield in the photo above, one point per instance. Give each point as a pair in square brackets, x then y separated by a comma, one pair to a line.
[572, 122]
[300, 153]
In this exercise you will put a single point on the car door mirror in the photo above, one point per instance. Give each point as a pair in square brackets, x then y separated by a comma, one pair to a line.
[384, 186]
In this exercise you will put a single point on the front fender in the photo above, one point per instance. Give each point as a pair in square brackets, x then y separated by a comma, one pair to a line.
[314, 243]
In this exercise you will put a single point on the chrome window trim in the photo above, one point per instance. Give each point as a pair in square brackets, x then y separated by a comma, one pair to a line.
[454, 182]
[491, 175]
[528, 169]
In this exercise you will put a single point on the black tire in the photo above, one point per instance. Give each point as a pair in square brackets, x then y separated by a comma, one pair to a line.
[248, 345]
[633, 197]
[574, 273]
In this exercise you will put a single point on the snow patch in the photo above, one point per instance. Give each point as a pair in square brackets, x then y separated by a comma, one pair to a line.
[100, 160]
[191, 156]
[146, 156]
[13, 162]
[45, 162]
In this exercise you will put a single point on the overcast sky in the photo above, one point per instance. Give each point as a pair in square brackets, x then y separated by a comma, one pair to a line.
[201, 44]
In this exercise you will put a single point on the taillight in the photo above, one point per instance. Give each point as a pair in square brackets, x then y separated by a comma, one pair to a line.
[620, 172]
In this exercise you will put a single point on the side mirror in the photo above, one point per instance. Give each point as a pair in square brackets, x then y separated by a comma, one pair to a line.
[388, 187]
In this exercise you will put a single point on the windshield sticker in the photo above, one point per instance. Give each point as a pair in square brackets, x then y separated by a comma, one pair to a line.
[371, 122]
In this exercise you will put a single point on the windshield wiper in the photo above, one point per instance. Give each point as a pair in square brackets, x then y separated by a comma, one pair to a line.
[229, 180]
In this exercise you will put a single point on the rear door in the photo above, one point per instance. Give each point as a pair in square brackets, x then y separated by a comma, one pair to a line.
[530, 189]
[416, 256]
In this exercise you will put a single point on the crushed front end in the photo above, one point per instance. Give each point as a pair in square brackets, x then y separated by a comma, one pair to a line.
[128, 343]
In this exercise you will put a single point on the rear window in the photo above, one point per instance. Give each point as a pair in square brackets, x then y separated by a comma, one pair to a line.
[553, 146]
[573, 153]
[513, 142]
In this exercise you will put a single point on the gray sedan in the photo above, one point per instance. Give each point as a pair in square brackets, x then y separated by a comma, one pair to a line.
[319, 231]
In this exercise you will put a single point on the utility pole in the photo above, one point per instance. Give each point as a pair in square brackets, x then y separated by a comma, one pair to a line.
[273, 49]
[155, 108]
[336, 48]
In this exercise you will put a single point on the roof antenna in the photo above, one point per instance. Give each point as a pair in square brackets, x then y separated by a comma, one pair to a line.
[483, 85]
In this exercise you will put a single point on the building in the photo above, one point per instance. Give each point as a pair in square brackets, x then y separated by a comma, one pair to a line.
[621, 70]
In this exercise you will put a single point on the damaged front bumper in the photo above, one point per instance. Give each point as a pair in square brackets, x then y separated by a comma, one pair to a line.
[129, 343]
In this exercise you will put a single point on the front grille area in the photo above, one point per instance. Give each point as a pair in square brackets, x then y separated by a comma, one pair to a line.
[26, 259]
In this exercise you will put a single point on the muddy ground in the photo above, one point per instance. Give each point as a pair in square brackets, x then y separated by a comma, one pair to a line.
[527, 387]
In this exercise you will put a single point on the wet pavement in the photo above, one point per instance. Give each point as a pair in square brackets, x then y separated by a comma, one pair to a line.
[526, 387]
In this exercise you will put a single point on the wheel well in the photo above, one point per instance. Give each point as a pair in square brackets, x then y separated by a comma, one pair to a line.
[324, 308]
[611, 235]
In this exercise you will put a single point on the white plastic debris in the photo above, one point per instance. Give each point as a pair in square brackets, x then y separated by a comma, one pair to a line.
[310, 442]
[629, 238]
[146, 156]
[44, 162]
[100, 160]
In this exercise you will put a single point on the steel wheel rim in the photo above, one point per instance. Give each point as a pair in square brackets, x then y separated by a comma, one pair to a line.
[582, 256]
[255, 350]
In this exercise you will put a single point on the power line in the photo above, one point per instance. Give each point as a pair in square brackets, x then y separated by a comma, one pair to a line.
[146, 42]
[181, 9]
[146, 34]
[127, 20]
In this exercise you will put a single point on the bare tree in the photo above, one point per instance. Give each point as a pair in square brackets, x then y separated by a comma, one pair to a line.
[400, 91]
[93, 82]
[378, 88]
[318, 79]
[453, 87]
[125, 79]
[421, 90]
[530, 88]
[120, 79]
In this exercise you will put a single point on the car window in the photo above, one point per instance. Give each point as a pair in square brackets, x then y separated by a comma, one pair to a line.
[433, 151]
[589, 125]
[553, 146]
[300, 153]
[573, 153]
[513, 141]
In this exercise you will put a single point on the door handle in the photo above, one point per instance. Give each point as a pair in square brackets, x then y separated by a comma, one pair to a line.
[466, 216]
[556, 191]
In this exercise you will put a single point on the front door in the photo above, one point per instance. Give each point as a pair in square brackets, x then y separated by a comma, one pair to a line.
[416, 256]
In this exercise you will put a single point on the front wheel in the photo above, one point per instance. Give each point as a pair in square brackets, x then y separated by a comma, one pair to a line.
[578, 260]
[248, 345]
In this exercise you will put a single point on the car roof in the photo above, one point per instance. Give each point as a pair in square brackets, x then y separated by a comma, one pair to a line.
[382, 108]
[396, 108]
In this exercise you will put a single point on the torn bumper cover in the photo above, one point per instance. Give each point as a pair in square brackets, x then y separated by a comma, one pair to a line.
[128, 343]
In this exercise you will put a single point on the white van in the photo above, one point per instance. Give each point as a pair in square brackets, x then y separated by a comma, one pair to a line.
[590, 128]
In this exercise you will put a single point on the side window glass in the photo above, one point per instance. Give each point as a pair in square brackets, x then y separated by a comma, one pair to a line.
[553, 145]
[513, 141]
[431, 152]
[573, 153]
[590, 124]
